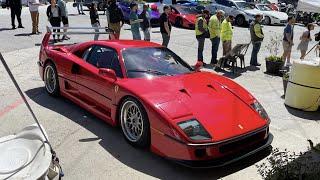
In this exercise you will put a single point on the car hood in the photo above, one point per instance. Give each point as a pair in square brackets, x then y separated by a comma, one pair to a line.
[219, 104]
[277, 14]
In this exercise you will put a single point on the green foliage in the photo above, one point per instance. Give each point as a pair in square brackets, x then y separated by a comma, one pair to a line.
[274, 58]
[285, 165]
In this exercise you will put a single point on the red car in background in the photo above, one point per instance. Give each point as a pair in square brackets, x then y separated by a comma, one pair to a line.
[199, 119]
[183, 16]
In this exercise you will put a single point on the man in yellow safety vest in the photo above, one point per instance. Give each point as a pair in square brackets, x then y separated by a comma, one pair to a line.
[201, 29]
[215, 30]
[226, 34]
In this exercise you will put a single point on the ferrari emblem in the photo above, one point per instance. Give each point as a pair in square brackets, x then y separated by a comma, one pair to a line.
[116, 88]
[240, 126]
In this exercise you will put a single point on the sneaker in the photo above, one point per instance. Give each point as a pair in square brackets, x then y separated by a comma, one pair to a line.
[20, 26]
[13, 27]
[288, 64]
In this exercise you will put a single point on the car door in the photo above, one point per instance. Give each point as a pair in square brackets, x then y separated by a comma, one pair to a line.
[95, 90]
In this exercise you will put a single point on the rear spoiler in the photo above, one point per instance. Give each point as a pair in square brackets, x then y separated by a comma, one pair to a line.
[46, 39]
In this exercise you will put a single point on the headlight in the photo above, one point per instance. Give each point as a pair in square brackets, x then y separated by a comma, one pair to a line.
[194, 130]
[262, 112]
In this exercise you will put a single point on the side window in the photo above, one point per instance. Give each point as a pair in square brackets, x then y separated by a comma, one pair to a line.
[102, 57]
[86, 53]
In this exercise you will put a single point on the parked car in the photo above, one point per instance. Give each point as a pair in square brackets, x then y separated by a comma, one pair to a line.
[200, 119]
[270, 16]
[125, 7]
[243, 12]
[183, 16]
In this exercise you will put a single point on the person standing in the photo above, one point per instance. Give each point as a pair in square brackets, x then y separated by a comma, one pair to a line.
[80, 6]
[226, 34]
[304, 40]
[135, 22]
[54, 17]
[94, 17]
[165, 26]
[64, 17]
[256, 39]
[288, 41]
[215, 31]
[15, 7]
[115, 19]
[145, 24]
[34, 11]
[201, 29]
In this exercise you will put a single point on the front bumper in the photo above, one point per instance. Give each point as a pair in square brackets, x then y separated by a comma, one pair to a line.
[226, 160]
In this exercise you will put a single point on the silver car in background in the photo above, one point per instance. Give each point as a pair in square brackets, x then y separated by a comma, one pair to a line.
[243, 12]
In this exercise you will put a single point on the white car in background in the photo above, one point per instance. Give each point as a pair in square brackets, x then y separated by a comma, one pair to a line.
[243, 12]
[272, 17]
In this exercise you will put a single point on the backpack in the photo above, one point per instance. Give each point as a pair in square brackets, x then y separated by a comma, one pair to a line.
[115, 14]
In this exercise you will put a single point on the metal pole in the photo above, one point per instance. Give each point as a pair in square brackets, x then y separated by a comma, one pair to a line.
[24, 99]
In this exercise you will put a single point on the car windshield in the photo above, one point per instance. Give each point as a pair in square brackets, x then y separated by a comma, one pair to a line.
[244, 5]
[143, 62]
[263, 7]
[187, 10]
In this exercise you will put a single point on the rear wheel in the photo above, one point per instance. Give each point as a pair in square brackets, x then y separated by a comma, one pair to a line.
[134, 123]
[51, 79]
[240, 20]
[101, 6]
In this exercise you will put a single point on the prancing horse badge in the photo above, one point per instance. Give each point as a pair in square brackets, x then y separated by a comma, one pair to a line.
[116, 88]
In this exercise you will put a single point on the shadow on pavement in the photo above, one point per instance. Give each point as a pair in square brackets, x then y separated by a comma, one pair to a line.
[23, 34]
[111, 140]
[6, 29]
[304, 114]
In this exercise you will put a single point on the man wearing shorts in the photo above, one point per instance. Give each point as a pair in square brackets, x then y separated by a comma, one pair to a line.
[288, 41]
[64, 17]
[115, 19]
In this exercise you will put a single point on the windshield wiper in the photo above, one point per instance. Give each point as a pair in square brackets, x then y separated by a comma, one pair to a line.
[151, 71]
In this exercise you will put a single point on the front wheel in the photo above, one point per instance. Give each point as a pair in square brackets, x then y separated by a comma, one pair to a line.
[134, 123]
[267, 20]
[240, 20]
[51, 79]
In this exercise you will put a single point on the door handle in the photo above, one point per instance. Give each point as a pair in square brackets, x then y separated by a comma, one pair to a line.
[75, 69]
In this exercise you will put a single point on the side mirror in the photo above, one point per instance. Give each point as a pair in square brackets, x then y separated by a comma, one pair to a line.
[108, 73]
[233, 7]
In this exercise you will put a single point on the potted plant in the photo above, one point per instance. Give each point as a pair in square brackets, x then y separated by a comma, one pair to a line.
[274, 62]
[285, 79]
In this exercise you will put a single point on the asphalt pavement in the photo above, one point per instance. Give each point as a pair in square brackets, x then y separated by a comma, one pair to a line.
[91, 149]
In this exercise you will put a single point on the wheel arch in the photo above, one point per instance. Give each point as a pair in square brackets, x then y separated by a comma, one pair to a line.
[48, 60]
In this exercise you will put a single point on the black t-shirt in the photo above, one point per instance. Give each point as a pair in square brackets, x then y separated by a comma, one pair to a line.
[164, 18]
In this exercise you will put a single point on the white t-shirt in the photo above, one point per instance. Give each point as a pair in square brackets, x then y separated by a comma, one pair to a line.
[33, 7]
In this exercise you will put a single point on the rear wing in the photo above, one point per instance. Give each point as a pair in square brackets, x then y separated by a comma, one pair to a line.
[73, 31]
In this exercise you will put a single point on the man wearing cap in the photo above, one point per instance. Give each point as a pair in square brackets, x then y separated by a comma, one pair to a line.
[256, 39]
[201, 28]
[215, 30]
[226, 34]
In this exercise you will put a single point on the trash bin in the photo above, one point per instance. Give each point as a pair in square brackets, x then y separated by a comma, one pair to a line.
[303, 90]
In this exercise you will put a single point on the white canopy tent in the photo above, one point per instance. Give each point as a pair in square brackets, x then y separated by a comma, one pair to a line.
[309, 6]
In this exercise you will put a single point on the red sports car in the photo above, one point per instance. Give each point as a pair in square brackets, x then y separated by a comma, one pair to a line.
[158, 100]
[183, 16]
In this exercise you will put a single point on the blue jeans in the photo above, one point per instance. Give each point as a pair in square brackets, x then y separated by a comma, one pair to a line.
[96, 36]
[165, 39]
[136, 34]
[214, 50]
[79, 7]
[255, 51]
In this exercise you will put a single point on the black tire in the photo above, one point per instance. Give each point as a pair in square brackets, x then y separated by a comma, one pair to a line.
[144, 140]
[54, 89]
[240, 20]
[179, 22]
[267, 20]
[101, 6]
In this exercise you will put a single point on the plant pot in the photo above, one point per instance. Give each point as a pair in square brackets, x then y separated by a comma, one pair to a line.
[274, 67]
[285, 83]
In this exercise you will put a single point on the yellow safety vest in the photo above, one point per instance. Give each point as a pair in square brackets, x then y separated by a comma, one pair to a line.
[226, 31]
[214, 27]
[205, 25]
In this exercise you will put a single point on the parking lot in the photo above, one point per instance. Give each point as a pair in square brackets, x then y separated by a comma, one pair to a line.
[90, 149]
